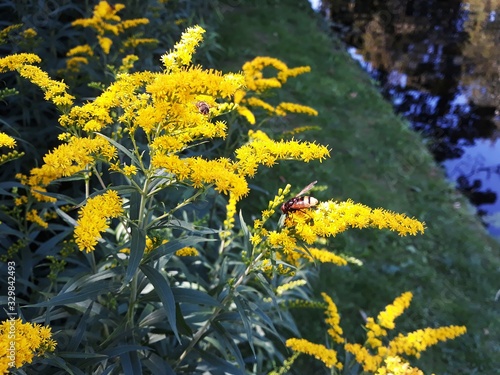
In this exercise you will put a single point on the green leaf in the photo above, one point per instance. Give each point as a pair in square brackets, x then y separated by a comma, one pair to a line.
[217, 364]
[68, 219]
[246, 233]
[157, 365]
[137, 246]
[187, 226]
[131, 364]
[247, 324]
[87, 292]
[59, 362]
[47, 248]
[162, 288]
[80, 331]
[125, 348]
[196, 297]
[228, 342]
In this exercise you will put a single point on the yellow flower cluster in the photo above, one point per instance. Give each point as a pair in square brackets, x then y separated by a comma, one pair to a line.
[397, 366]
[411, 344]
[219, 172]
[333, 320]
[283, 108]
[128, 63]
[416, 342]
[290, 285]
[66, 160]
[105, 20]
[187, 252]
[391, 312]
[20, 342]
[15, 61]
[261, 150]
[256, 82]
[55, 91]
[230, 213]
[183, 50]
[152, 243]
[84, 49]
[331, 218]
[7, 141]
[33, 217]
[92, 219]
[318, 351]
[325, 256]
[384, 360]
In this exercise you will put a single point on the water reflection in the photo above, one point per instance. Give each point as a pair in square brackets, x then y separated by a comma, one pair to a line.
[438, 62]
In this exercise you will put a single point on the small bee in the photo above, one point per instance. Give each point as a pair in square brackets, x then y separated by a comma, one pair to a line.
[298, 202]
[203, 107]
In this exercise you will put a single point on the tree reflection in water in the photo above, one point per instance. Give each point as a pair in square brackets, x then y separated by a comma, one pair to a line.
[439, 64]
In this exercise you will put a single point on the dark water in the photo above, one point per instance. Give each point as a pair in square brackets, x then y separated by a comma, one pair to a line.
[438, 62]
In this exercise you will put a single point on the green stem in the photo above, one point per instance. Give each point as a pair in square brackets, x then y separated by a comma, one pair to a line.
[180, 205]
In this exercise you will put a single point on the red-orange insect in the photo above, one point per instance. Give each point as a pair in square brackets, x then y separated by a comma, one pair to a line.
[298, 202]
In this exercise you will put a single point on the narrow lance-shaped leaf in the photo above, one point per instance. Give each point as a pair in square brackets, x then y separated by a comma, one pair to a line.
[162, 288]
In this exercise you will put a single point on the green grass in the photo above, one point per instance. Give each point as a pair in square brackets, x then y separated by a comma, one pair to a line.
[376, 160]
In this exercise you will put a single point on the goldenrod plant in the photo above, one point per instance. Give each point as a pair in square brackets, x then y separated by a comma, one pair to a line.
[149, 267]
[375, 356]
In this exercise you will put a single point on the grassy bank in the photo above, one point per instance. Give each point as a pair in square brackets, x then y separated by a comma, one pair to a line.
[452, 269]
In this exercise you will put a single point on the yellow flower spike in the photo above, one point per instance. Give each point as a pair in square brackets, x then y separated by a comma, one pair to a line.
[33, 217]
[295, 108]
[92, 219]
[318, 351]
[325, 256]
[7, 141]
[247, 114]
[386, 318]
[84, 49]
[15, 61]
[105, 43]
[256, 102]
[333, 320]
[69, 159]
[187, 252]
[101, 17]
[261, 150]
[369, 362]
[293, 72]
[416, 342]
[230, 213]
[290, 285]
[331, 218]
[55, 91]
[374, 329]
[397, 366]
[183, 50]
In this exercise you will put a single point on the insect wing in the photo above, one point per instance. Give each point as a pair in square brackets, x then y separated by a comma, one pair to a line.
[307, 188]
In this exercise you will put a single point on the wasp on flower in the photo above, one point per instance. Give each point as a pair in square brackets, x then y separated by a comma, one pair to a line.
[300, 202]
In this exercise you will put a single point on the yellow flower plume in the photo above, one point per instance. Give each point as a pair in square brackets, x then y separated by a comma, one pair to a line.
[318, 351]
[331, 218]
[92, 219]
